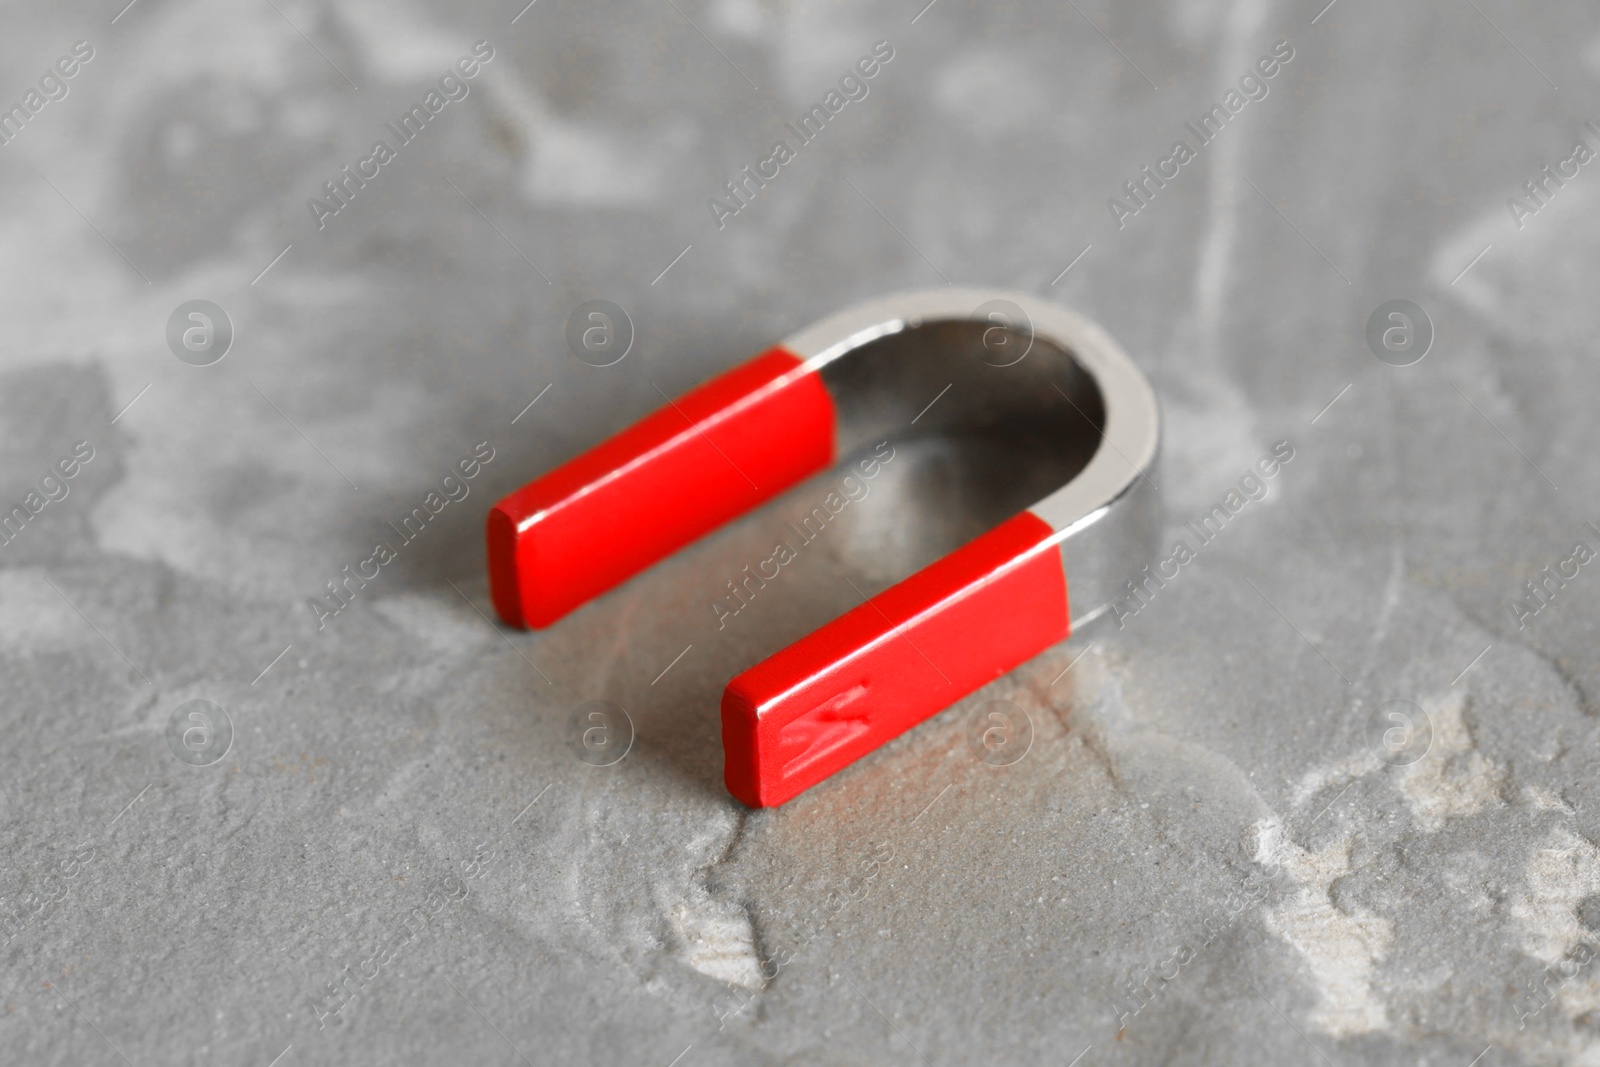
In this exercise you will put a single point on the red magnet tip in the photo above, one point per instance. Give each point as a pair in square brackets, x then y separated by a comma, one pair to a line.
[714, 453]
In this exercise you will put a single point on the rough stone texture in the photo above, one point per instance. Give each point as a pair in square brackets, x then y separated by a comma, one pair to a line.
[1204, 857]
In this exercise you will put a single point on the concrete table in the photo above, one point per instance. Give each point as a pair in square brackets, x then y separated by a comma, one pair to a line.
[1330, 783]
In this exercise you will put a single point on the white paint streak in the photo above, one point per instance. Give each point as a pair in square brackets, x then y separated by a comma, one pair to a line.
[1334, 775]
[1343, 951]
[1453, 778]
[1561, 870]
[1542, 799]
[1205, 408]
[718, 941]
[1216, 249]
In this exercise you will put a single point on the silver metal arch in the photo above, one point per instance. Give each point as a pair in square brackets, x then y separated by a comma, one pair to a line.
[1106, 517]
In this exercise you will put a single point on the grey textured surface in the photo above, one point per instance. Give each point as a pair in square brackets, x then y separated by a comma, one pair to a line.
[1203, 857]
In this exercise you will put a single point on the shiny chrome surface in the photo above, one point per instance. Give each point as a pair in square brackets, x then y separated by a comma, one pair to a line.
[1019, 372]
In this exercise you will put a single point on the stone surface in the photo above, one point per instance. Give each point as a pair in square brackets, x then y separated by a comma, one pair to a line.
[1219, 847]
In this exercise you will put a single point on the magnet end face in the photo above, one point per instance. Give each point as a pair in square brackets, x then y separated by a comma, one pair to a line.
[883, 667]
[741, 750]
[504, 587]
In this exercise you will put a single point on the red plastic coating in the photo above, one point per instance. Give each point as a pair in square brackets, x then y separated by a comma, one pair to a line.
[714, 453]
[888, 664]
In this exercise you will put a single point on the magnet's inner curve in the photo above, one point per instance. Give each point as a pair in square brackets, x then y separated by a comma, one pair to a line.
[1018, 397]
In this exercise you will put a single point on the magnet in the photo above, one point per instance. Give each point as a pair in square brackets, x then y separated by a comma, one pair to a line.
[826, 393]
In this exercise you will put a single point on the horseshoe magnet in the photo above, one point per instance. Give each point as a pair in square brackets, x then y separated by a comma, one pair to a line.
[1047, 383]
